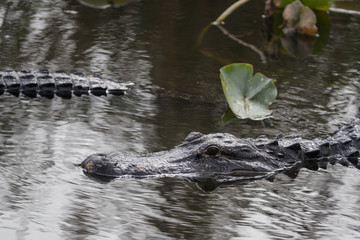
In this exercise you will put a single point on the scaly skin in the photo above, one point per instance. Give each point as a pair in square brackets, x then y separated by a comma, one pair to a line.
[222, 158]
[46, 84]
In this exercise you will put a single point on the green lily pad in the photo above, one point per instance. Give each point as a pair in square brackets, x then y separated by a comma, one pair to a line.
[248, 95]
[321, 5]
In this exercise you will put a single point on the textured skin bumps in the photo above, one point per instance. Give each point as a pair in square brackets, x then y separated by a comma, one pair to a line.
[222, 158]
[33, 83]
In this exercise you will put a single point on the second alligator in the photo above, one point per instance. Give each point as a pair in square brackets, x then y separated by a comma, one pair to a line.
[46, 84]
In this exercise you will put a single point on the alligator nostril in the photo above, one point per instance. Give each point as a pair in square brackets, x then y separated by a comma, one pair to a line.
[88, 166]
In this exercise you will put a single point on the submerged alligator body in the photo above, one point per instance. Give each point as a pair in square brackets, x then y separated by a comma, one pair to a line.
[222, 159]
[46, 84]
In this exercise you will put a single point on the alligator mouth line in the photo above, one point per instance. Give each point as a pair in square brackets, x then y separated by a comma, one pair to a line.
[245, 173]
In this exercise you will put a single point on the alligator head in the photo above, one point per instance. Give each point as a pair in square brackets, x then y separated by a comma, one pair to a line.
[214, 158]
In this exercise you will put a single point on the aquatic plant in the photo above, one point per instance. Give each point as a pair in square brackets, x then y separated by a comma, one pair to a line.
[248, 95]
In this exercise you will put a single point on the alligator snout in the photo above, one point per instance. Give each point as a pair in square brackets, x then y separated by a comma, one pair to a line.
[99, 164]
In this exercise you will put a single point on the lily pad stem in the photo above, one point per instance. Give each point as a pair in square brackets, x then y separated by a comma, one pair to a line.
[245, 44]
[229, 10]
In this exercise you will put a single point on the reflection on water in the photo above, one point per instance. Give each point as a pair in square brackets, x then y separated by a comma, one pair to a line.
[43, 195]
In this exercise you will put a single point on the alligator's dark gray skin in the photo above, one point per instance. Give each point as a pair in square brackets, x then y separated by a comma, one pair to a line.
[46, 84]
[221, 158]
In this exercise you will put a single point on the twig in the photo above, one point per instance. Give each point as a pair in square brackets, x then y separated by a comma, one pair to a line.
[347, 11]
[229, 10]
[252, 47]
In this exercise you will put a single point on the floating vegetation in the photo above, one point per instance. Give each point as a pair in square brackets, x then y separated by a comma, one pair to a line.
[248, 95]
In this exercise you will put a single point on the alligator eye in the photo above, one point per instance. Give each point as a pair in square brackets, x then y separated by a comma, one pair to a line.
[212, 150]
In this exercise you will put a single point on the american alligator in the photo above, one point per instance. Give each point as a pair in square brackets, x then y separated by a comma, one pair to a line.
[46, 84]
[219, 159]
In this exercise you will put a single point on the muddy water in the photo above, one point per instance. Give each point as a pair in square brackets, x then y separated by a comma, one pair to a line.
[177, 90]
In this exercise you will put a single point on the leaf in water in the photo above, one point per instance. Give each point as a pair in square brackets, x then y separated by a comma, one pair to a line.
[299, 18]
[248, 95]
[321, 5]
[229, 117]
[282, 3]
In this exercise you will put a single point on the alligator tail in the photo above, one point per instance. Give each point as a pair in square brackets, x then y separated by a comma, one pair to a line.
[47, 84]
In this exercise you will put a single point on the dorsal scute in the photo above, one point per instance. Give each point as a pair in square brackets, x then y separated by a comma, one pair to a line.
[296, 146]
[312, 154]
[193, 135]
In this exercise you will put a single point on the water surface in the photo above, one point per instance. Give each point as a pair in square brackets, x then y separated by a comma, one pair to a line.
[177, 90]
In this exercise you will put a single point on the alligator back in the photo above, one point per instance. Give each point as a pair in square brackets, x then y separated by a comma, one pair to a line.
[46, 84]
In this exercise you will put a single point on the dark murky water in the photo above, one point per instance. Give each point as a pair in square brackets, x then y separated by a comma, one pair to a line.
[153, 44]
